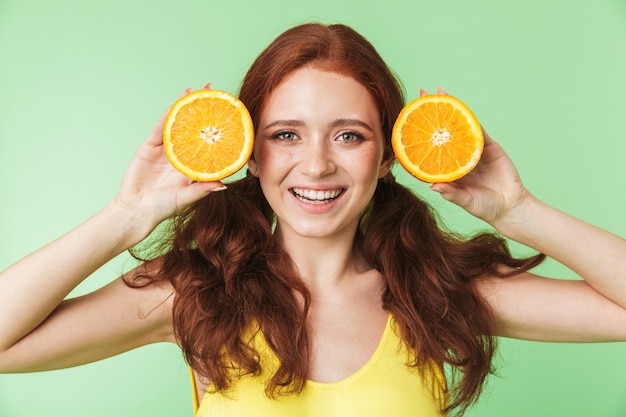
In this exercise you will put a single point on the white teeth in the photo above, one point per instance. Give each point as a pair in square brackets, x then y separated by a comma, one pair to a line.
[315, 196]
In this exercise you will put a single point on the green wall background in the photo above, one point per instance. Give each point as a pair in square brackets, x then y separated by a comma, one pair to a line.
[82, 82]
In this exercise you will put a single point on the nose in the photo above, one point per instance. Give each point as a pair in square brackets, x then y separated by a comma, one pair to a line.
[317, 159]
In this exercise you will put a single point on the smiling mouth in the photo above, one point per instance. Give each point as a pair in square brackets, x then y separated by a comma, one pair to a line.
[316, 196]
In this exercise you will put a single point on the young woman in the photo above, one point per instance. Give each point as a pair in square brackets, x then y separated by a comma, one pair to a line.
[316, 285]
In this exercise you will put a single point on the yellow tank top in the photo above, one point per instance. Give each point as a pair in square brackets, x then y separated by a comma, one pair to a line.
[384, 386]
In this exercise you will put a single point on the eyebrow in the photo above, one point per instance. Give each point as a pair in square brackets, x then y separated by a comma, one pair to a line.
[290, 123]
[351, 122]
[333, 124]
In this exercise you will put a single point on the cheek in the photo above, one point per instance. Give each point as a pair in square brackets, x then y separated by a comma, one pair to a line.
[370, 162]
[267, 162]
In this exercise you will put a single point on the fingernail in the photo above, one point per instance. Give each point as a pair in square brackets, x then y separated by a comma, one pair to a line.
[222, 188]
[437, 190]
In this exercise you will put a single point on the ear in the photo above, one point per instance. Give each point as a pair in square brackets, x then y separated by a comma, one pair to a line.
[385, 166]
[253, 167]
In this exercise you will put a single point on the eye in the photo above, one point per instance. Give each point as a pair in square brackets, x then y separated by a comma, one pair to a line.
[350, 137]
[285, 135]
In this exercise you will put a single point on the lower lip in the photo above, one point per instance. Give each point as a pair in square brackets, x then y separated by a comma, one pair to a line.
[318, 207]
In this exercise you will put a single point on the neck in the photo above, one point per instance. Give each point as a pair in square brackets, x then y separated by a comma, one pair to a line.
[324, 262]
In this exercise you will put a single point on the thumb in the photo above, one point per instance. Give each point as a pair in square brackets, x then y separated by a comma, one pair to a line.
[198, 190]
[452, 193]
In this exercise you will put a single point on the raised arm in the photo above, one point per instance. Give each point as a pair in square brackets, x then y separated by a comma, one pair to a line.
[38, 330]
[532, 307]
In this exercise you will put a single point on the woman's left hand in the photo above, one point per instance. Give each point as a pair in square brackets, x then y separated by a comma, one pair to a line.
[492, 189]
[528, 306]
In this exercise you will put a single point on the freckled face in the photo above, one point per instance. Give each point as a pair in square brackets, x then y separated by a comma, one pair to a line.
[319, 153]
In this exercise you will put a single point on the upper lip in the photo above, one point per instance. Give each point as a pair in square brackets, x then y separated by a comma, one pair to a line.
[317, 193]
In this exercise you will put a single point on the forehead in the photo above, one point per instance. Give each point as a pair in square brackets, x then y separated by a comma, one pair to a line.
[310, 93]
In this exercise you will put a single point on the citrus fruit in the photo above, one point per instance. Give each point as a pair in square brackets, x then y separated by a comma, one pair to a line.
[208, 135]
[437, 138]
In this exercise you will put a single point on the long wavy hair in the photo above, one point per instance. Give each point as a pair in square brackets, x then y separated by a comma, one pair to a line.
[228, 271]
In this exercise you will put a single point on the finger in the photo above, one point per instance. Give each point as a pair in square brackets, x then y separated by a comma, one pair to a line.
[451, 193]
[197, 190]
[207, 86]
[441, 91]
[156, 135]
[423, 92]
[184, 93]
[487, 139]
[441, 187]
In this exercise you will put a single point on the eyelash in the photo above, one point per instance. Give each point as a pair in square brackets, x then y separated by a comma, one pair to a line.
[280, 135]
[356, 136]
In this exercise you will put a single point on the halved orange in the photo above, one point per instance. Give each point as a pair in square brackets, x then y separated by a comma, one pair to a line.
[208, 135]
[437, 138]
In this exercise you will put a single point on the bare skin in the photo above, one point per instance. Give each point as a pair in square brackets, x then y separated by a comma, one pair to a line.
[41, 330]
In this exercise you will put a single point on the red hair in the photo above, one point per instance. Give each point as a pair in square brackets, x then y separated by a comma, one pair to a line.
[335, 48]
[228, 271]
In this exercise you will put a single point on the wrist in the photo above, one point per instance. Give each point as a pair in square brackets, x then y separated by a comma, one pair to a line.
[129, 226]
[519, 222]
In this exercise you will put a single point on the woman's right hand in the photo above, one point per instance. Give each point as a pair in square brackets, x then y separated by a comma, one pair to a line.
[152, 188]
[41, 331]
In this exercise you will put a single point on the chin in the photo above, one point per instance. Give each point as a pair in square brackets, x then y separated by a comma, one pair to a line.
[318, 230]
